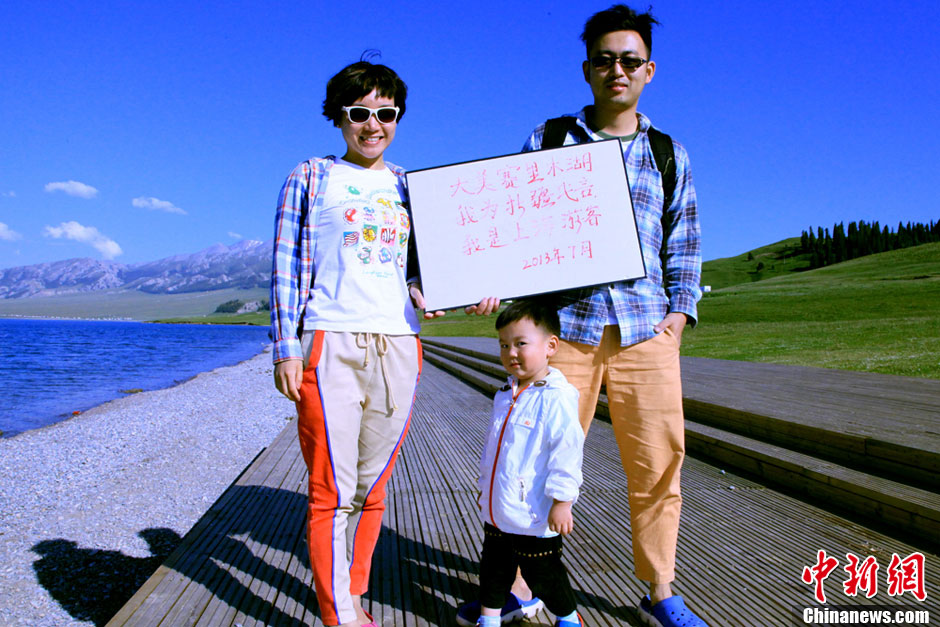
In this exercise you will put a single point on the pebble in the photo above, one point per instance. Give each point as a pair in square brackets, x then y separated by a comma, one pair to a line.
[91, 505]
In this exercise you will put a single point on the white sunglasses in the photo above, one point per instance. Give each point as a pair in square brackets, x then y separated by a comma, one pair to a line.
[358, 114]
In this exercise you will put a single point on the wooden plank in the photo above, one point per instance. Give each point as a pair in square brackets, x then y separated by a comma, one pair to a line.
[875, 405]
[783, 610]
[872, 398]
[741, 550]
[204, 570]
[431, 525]
[295, 594]
[454, 505]
[238, 552]
[878, 424]
[913, 510]
[258, 568]
[169, 582]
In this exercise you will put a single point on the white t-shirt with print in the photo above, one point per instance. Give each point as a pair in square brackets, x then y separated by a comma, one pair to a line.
[360, 253]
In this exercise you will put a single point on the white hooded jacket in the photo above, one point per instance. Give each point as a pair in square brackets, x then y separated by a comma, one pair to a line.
[532, 455]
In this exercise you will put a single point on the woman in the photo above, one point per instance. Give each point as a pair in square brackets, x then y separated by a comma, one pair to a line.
[345, 329]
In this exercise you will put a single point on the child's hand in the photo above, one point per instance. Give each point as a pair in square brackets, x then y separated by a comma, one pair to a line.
[560, 519]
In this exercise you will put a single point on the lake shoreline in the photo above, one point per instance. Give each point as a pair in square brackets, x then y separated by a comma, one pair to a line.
[52, 368]
[93, 503]
[62, 418]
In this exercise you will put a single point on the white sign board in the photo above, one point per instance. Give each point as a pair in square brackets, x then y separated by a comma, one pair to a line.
[524, 224]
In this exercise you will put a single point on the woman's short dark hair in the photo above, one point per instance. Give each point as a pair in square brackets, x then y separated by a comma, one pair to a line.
[619, 17]
[357, 80]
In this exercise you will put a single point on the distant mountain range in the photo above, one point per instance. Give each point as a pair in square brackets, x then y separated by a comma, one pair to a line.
[246, 264]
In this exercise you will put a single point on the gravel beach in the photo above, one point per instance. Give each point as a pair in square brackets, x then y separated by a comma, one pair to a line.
[89, 507]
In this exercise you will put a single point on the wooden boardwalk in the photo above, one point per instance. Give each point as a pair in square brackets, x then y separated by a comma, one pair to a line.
[879, 420]
[865, 444]
[742, 545]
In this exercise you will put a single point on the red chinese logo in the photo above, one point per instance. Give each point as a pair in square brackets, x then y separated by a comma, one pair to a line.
[862, 576]
[818, 574]
[907, 575]
[902, 575]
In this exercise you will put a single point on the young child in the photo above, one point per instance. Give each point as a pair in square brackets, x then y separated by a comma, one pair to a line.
[531, 469]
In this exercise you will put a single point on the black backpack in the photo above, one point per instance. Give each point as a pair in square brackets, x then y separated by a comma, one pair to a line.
[663, 152]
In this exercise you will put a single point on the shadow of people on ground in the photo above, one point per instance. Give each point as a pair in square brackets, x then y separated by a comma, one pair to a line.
[93, 584]
[250, 544]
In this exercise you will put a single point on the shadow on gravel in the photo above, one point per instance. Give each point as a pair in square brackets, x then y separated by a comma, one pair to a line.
[93, 584]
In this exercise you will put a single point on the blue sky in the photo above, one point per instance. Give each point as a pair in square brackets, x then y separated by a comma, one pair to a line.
[139, 130]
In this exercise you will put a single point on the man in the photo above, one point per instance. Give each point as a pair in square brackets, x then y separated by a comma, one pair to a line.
[627, 334]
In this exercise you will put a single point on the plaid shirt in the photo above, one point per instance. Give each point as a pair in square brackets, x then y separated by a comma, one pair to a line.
[292, 274]
[670, 246]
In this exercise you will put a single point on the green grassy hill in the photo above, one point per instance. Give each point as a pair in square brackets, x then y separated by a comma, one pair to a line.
[877, 313]
[779, 259]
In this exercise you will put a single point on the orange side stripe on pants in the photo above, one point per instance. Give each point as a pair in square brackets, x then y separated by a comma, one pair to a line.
[323, 492]
[346, 496]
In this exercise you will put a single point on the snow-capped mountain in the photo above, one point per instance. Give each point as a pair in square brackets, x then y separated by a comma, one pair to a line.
[246, 264]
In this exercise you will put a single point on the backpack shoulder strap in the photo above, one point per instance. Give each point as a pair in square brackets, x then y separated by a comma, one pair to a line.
[556, 129]
[665, 156]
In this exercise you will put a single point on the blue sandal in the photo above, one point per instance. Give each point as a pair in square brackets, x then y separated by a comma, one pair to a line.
[670, 612]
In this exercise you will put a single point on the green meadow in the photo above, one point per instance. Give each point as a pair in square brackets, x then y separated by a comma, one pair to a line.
[780, 259]
[126, 304]
[879, 313]
[257, 318]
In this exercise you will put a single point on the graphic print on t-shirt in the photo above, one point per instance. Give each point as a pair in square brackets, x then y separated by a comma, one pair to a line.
[376, 233]
[360, 255]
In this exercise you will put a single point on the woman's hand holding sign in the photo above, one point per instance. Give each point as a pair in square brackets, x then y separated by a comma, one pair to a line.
[484, 308]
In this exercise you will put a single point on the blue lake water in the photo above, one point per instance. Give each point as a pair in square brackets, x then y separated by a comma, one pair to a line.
[52, 368]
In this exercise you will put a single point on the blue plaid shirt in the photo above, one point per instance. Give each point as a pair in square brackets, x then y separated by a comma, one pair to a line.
[670, 245]
[292, 274]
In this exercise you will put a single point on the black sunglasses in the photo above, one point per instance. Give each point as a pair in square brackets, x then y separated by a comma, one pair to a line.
[358, 114]
[605, 61]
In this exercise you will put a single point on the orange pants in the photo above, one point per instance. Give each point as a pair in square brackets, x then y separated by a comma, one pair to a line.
[354, 411]
[644, 392]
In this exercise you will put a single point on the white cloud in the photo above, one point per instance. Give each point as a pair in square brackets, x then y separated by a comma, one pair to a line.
[108, 248]
[155, 204]
[7, 234]
[73, 188]
[234, 235]
[9, 194]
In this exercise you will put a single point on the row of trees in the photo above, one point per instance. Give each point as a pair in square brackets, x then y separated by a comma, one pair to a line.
[863, 238]
[232, 306]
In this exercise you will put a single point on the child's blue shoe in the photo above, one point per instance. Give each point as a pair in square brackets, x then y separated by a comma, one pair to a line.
[670, 612]
[515, 609]
[561, 622]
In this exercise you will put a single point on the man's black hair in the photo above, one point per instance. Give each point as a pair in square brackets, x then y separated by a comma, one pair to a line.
[540, 312]
[359, 79]
[619, 17]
